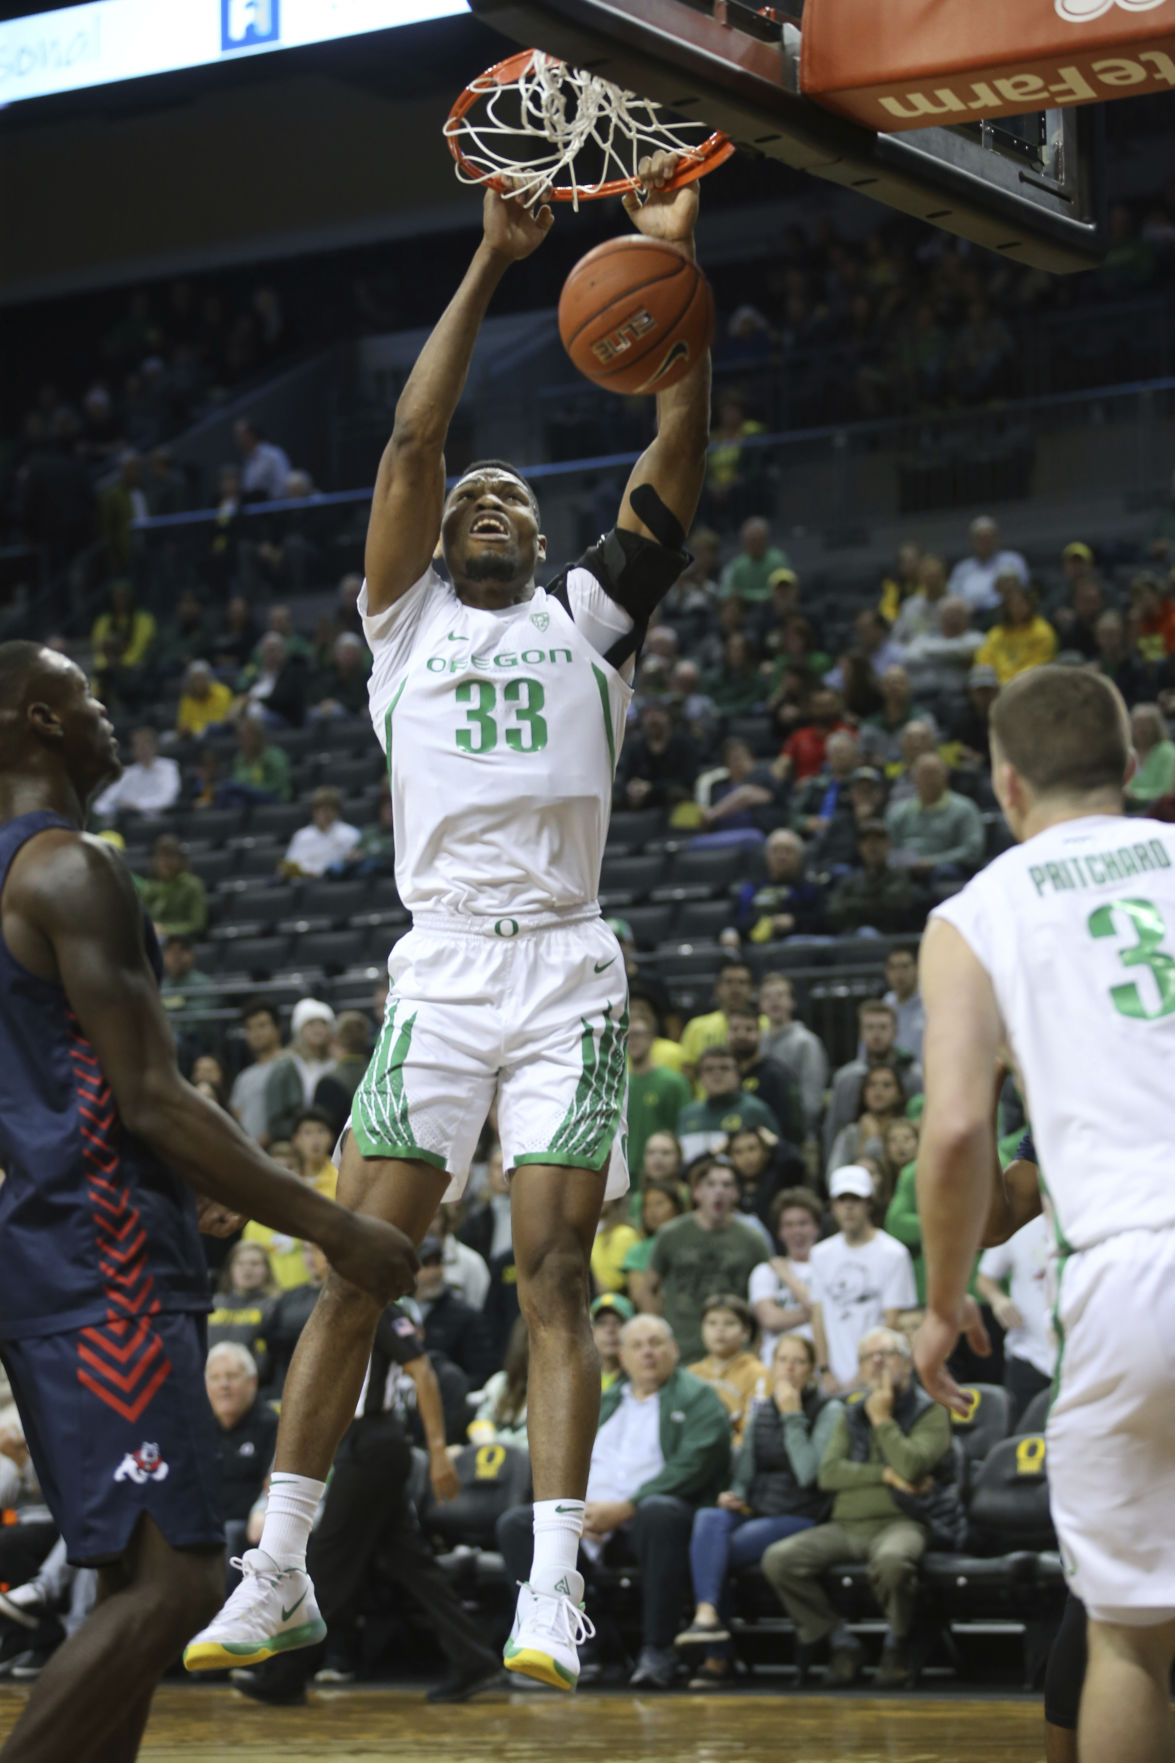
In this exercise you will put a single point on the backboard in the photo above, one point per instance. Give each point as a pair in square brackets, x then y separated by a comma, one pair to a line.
[1029, 186]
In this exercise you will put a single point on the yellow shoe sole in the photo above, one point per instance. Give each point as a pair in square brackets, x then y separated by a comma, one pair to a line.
[526, 1662]
[215, 1656]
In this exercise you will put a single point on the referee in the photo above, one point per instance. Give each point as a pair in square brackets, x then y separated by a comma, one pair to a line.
[367, 1515]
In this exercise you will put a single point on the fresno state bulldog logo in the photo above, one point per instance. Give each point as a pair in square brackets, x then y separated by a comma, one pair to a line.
[142, 1465]
[1085, 11]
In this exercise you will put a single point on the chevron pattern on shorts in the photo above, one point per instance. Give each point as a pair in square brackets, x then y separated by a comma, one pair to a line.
[121, 1361]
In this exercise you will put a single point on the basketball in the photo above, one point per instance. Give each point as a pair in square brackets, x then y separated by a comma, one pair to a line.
[635, 315]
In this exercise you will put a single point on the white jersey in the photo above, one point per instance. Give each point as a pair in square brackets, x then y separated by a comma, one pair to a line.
[502, 731]
[1076, 928]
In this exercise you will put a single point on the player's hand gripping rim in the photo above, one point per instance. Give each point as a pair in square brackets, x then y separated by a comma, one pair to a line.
[661, 213]
[515, 224]
[934, 1343]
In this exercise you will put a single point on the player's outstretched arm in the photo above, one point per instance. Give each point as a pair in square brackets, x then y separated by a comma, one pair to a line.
[410, 485]
[77, 895]
[963, 1036]
[674, 465]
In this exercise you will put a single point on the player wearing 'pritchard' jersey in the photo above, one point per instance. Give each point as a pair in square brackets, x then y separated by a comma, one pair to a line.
[501, 707]
[1063, 950]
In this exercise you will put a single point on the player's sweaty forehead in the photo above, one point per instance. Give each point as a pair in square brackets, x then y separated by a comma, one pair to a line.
[494, 478]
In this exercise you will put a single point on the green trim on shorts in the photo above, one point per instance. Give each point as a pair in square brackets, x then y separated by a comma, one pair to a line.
[379, 1108]
[406, 1153]
[585, 1134]
[557, 1161]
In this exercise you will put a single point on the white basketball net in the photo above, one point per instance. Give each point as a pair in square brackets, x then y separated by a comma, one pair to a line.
[560, 110]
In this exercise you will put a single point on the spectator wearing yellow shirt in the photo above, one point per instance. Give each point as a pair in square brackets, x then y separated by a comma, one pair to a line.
[666, 1055]
[206, 701]
[285, 1253]
[307, 1155]
[609, 1313]
[731, 1365]
[734, 985]
[1022, 638]
[615, 1236]
[134, 627]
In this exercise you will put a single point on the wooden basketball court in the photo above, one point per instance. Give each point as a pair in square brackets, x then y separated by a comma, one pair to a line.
[206, 1725]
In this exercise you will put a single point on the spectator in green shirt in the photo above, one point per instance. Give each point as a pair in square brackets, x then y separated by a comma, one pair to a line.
[261, 772]
[724, 1109]
[188, 995]
[1155, 776]
[173, 898]
[748, 576]
[656, 1096]
[375, 854]
[710, 1250]
[936, 833]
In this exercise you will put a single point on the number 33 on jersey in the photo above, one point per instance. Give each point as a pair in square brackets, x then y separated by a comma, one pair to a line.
[502, 730]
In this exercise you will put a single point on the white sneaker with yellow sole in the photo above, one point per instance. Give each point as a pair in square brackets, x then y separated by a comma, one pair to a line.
[549, 1628]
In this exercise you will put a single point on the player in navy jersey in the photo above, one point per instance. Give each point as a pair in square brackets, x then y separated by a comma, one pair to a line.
[112, 1163]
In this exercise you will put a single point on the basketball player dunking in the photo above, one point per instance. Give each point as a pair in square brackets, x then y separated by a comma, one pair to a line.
[103, 1284]
[501, 708]
[1064, 950]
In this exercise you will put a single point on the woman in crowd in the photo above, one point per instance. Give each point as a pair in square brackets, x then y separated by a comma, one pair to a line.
[757, 1158]
[731, 1364]
[661, 1200]
[501, 1413]
[1022, 638]
[773, 1494]
[778, 1289]
[882, 1100]
[244, 1298]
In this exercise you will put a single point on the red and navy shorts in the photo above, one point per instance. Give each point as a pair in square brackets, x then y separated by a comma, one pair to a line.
[118, 1424]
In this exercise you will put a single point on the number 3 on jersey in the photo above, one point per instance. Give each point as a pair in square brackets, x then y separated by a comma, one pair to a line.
[523, 700]
[1145, 920]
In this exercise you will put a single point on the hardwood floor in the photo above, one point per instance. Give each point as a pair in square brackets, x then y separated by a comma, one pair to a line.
[204, 1725]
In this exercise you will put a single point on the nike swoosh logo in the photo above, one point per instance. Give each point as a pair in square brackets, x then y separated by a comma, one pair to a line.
[679, 352]
[454, 638]
[574, 1509]
[599, 968]
[286, 1614]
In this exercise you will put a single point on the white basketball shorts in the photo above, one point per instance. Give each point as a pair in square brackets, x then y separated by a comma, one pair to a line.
[1111, 1431]
[530, 1013]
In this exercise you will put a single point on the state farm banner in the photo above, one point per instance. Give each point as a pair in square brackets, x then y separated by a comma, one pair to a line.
[909, 64]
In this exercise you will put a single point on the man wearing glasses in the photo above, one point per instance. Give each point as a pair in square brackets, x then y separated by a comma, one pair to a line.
[882, 1455]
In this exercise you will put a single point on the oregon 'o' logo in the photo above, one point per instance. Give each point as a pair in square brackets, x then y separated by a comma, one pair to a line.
[1085, 11]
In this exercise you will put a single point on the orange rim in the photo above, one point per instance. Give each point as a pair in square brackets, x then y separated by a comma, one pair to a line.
[714, 151]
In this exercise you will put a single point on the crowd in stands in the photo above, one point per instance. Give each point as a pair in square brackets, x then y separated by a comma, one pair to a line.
[800, 783]
[809, 790]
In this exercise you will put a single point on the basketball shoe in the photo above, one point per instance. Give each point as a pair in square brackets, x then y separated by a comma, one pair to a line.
[272, 1611]
[548, 1631]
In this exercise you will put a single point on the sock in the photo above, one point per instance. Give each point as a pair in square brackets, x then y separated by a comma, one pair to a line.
[558, 1526]
[293, 1501]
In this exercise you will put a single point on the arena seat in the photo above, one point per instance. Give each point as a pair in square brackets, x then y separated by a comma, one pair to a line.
[715, 871]
[703, 921]
[651, 925]
[1035, 1416]
[337, 901]
[626, 879]
[212, 867]
[259, 906]
[986, 1424]
[758, 732]
[208, 828]
[632, 830]
[258, 956]
[493, 1479]
[332, 950]
[1009, 1503]
[279, 820]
